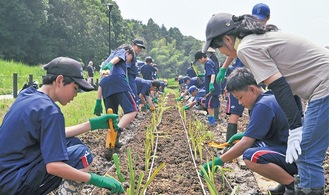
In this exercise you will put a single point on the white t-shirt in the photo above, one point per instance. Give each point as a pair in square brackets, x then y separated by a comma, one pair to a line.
[304, 64]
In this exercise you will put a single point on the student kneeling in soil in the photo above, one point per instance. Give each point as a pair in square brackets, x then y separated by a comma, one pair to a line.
[264, 143]
[198, 100]
[38, 154]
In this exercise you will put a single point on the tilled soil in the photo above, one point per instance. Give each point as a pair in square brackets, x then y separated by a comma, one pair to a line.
[180, 174]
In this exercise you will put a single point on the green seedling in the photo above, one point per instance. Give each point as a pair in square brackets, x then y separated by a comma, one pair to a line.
[117, 166]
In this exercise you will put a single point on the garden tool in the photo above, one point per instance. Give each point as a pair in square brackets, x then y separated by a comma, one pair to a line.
[111, 138]
[221, 145]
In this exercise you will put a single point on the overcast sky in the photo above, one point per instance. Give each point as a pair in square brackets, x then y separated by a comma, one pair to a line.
[304, 17]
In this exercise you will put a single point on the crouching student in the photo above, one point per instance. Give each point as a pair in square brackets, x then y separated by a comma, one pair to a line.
[144, 88]
[38, 154]
[264, 143]
[198, 100]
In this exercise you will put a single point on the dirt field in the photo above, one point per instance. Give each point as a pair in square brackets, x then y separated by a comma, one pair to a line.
[180, 174]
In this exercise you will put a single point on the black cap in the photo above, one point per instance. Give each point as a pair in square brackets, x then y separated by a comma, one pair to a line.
[198, 55]
[139, 43]
[68, 67]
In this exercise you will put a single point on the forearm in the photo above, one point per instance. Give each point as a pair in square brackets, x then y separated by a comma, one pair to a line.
[227, 62]
[65, 171]
[238, 149]
[77, 129]
[212, 78]
[141, 97]
[99, 93]
[149, 101]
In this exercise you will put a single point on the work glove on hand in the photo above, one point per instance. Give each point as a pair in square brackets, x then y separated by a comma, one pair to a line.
[201, 75]
[186, 107]
[106, 182]
[102, 122]
[221, 75]
[293, 145]
[98, 109]
[218, 161]
[236, 136]
[155, 100]
[147, 106]
[211, 87]
[108, 66]
[180, 98]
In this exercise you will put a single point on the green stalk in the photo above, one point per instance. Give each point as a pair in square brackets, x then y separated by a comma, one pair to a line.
[132, 173]
[117, 166]
[156, 171]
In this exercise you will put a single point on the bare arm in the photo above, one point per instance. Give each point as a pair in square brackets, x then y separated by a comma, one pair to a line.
[65, 171]
[227, 62]
[77, 129]
[238, 149]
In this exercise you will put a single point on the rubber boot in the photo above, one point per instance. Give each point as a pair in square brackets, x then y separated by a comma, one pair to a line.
[216, 113]
[289, 189]
[278, 190]
[231, 130]
[118, 144]
[211, 120]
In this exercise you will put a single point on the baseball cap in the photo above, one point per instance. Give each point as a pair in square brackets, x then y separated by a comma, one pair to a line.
[261, 11]
[148, 59]
[68, 67]
[139, 43]
[192, 88]
[198, 55]
[218, 24]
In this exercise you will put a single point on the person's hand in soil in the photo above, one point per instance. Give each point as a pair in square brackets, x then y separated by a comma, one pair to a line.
[236, 136]
[179, 98]
[98, 109]
[106, 182]
[218, 161]
[102, 122]
[155, 100]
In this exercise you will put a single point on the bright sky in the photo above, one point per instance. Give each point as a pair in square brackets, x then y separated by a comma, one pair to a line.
[304, 17]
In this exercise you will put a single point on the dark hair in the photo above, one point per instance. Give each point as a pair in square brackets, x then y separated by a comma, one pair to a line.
[239, 80]
[245, 25]
[50, 78]
[156, 84]
[127, 48]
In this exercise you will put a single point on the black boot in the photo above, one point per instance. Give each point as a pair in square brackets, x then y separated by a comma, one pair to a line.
[290, 189]
[231, 130]
[118, 144]
[278, 190]
[216, 113]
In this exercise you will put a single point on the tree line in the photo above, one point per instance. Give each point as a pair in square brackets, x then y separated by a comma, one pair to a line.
[35, 32]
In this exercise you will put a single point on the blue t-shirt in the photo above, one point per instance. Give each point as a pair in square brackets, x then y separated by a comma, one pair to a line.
[210, 69]
[201, 93]
[267, 122]
[143, 86]
[33, 130]
[190, 72]
[116, 82]
[198, 82]
[147, 71]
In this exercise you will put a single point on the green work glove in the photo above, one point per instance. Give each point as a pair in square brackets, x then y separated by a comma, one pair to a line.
[186, 107]
[147, 106]
[236, 136]
[211, 87]
[221, 75]
[102, 122]
[217, 161]
[155, 100]
[106, 182]
[108, 66]
[180, 98]
[201, 75]
[98, 109]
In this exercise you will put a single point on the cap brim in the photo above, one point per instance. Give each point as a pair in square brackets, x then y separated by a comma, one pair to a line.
[83, 84]
[206, 46]
[140, 45]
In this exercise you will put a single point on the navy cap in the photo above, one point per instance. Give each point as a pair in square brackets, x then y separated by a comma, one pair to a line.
[261, 11]
[139, 43]
[192, 88]
[68, 67]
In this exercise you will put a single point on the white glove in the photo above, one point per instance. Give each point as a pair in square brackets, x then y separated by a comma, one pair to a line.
[293, 148]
